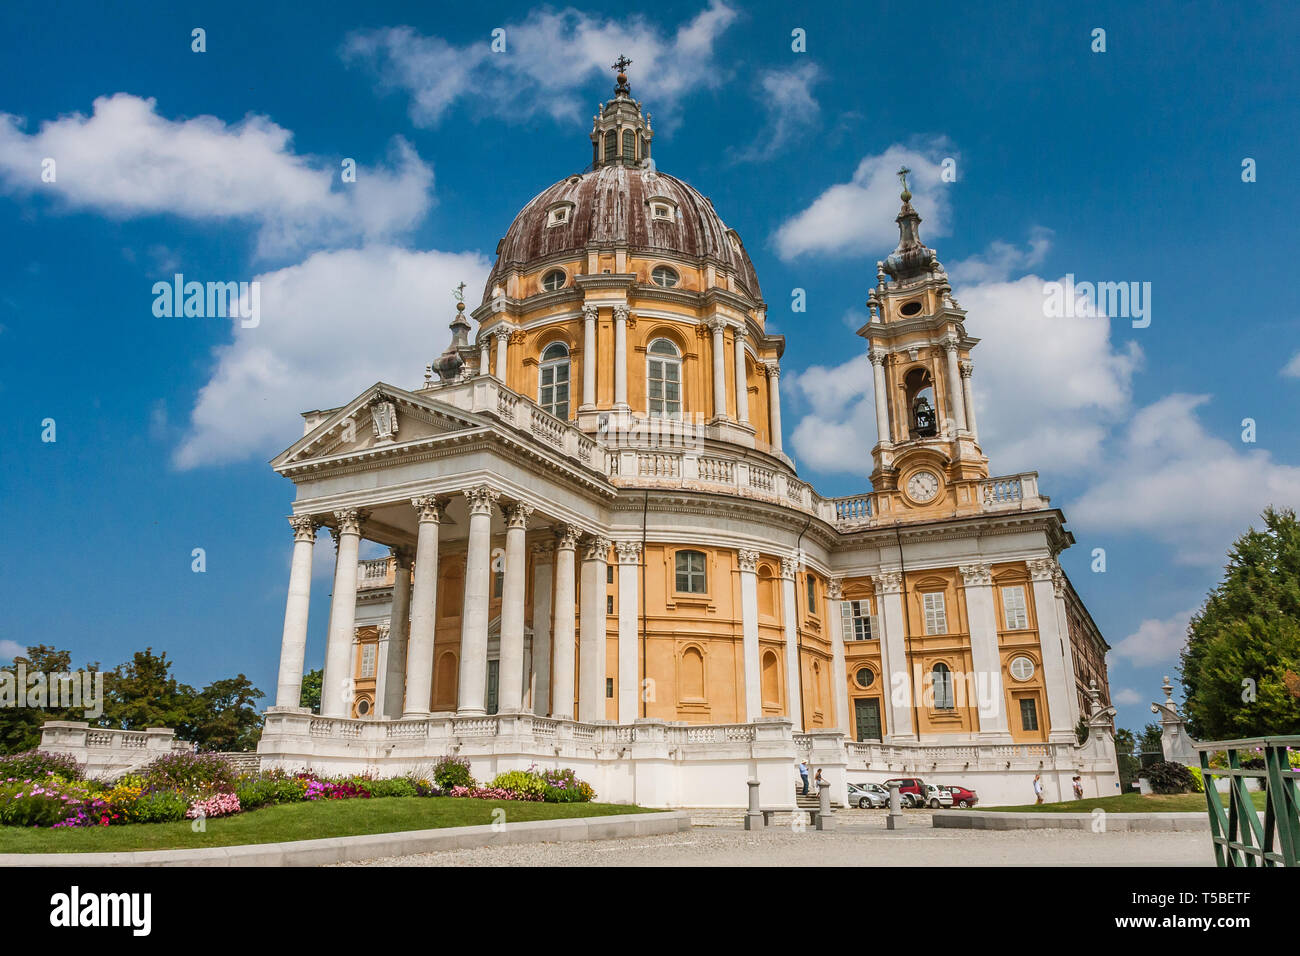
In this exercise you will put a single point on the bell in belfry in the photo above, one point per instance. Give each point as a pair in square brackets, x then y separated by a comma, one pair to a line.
[923, 418]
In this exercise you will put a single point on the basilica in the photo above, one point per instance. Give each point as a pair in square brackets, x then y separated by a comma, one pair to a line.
[601, 555]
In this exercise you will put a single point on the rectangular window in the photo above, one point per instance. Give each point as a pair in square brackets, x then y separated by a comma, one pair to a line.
[936, 615]
[1028, 713]
[1013, 608]
[690, 573]
[858, 624]
[812, 593]
[609, 574]
[609, 604]
[609, 688]
[493, 686]
[368, 654]
[498, 583]
[553, 389]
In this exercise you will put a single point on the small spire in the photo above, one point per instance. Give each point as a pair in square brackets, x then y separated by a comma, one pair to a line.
[620, 68]
[449, 364]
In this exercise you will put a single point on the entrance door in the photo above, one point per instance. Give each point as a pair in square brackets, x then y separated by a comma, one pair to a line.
[493, 677]
[866, 710]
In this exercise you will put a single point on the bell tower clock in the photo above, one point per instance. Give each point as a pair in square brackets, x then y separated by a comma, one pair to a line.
[926, 438]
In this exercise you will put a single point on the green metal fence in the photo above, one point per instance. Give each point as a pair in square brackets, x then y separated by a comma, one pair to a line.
[1240, 838]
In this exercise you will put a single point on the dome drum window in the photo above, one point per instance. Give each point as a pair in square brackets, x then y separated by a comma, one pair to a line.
[553, 380]
[559, 214]
[664, 276]
[910, 308]
[553, 280]
[663, 380]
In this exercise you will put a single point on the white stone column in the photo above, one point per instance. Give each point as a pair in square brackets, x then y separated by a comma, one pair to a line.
[629, 684]
[882, 403]
[955, 403]
[986, 659]
[336, 682]
[893, 654]
[293, 642]
[620, 357]
[424, 608]
[1051, 643]
[588, 358]
[793, 691]
[543, 584]
[591, 645]
[381, 669]
[393, 665]
[478, 590]
[839, 669]
[503, 352]
[484, 363]
[565, 624]
[511, 673]
[967, 368]
[749, 634]
[742, 381]
[717, 325]
[774, 402]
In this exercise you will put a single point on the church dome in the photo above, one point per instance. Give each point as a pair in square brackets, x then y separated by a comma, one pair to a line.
[612, 206]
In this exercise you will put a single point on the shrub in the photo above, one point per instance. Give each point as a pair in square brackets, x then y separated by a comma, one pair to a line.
[160, 806]
[1198, 782]
[40, 802]
[524, 784]
[218, 805]
[194, 774]
[394, 787]
[452, 772]
[563, 786]
[254, 792]
[1168, 777]
[34, 764]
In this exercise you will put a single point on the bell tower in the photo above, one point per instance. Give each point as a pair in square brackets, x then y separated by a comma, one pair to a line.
[920, 361]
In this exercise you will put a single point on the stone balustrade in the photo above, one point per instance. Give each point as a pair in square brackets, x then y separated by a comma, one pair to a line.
[107, 752]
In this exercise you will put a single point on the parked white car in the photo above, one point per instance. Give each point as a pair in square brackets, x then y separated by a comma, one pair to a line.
[935, 797]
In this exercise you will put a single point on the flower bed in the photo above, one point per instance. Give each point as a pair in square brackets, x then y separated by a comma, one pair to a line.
[49, 790]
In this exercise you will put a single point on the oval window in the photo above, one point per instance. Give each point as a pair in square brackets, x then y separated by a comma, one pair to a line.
[911, 308]
[1022, 668]
[865, 677]
[553, 280]
[663, 277]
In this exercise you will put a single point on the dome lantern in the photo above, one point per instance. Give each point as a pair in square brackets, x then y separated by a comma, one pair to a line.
[620, 133]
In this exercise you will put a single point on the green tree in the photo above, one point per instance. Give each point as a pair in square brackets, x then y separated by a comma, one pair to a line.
[143, 693]
[20, 727]
[311, 684]
[1129, 764]
[228, 718]
[1242, 655]
[1149, 742]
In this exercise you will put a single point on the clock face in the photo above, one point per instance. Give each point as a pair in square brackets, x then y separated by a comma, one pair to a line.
[923, 486]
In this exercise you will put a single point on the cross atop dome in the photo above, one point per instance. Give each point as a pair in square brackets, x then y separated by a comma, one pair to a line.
[620, 67]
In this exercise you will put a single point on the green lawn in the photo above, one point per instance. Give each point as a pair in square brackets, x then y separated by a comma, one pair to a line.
[1130, 803]
[298, 821]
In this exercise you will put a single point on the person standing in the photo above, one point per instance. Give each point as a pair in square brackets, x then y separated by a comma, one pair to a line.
[819, 782]
[1078, 787]
[1038, 789]
[803, 772]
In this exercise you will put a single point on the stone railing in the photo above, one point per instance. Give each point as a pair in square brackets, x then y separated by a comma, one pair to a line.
[375, 573]
[107, 752]
[921, 758]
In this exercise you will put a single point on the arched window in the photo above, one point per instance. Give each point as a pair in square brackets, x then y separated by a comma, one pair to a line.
[611, 144]
[691, 576]
[663, 276]
[766, 592]
[663, 380]
[771, 682]
[553, 380]
[692, 674]
[942, 678]
[444, 687]
[629, 144]
[554, 280]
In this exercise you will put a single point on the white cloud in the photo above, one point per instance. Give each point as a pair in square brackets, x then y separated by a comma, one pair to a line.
[1047, 391]
[126, 160]
[1002, 259]
[1127, 697]
[786, 96]
[330, 327]
[10, 649]
[1169, 478]
[551, 58]
[1156, 641]
[857, 218]
[1292, 368]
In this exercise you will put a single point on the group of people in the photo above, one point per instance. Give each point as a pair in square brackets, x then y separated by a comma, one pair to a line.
[1038, 788]
[820, 781]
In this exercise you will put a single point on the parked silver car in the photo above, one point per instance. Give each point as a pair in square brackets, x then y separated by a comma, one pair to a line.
[868, 795]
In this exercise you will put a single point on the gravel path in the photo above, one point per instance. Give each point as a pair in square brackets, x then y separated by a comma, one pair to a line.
[864, 842]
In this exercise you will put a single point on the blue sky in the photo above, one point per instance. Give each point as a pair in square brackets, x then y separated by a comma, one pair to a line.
[1117, 166]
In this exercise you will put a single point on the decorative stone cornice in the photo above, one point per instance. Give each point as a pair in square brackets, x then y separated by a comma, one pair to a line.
[595, 548]
[481, 499]
[566, 537]
[973, 575]
[430, 507]
[748, 560]
[629, 552]
[889, 582]
[789, 566]
[350, 520]
[835, 589]
[517, 515]
[304, 527]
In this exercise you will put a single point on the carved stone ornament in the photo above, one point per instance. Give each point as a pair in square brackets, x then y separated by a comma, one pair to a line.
[629, 552]
[383, 418]
[889, 582]
[748, 561]
[566, 537]
[595, 548]
[430, 508]
[481, 499]
[976, 574]
[304, 527]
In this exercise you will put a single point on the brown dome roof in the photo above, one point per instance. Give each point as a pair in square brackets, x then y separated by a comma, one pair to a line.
[611, 205]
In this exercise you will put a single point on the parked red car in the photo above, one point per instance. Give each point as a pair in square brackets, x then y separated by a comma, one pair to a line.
[961, 797]
[911, 790]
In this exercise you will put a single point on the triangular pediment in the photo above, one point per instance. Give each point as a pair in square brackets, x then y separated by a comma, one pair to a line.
[383, 416]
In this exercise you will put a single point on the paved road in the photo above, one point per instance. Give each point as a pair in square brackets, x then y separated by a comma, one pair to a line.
[856, 844]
